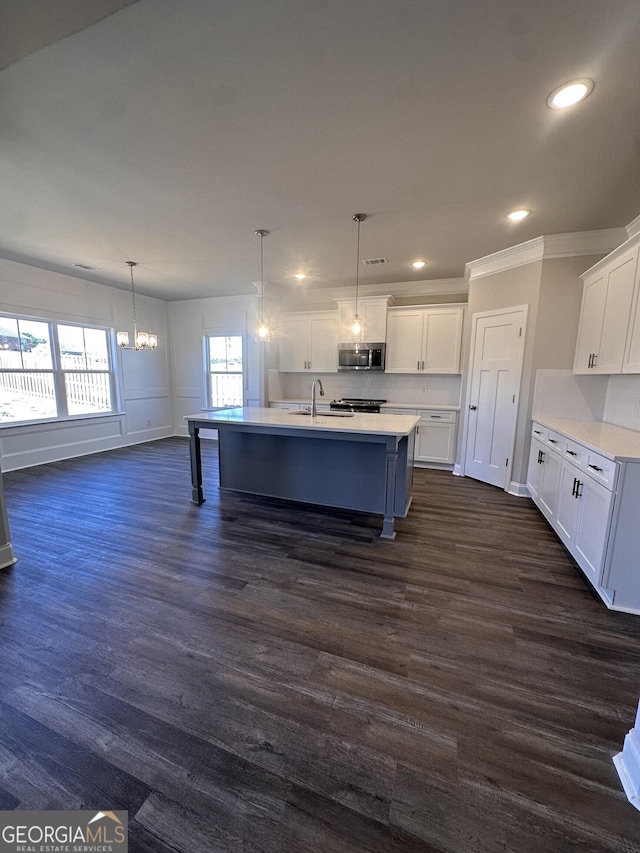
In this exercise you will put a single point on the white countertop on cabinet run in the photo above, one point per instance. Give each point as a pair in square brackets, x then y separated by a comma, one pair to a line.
[617, 443]
[360, 422]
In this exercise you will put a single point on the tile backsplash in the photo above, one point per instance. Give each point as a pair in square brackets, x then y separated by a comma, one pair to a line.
[425, 389]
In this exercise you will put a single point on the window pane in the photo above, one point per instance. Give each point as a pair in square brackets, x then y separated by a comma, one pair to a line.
[225, 353]
[36, 345]
[10, 354]
[72, 355]
[97, 349]
[87, 393]
[226, 389]
[27, 396]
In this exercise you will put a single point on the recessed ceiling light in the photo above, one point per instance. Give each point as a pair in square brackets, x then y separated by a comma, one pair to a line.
[570, 93]
[517, 215]
[419, 264]
[300, 276]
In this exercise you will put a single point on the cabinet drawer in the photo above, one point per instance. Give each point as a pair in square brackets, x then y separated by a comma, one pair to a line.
[539, 432]
[386, 410]
[555, 441]
[602, 470]
[576, 453]
[432, 415]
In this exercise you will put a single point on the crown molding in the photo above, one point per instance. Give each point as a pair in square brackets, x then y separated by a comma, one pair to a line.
[633, 227]
[546, 247]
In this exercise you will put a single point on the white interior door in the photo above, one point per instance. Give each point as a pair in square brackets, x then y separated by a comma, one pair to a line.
[496, 364]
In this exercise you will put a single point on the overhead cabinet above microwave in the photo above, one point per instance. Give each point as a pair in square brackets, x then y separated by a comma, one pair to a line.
[609, 332]
[373, 312]
[424, 340]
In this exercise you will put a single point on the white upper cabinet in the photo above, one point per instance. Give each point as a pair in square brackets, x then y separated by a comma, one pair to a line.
[372, 310]
[606, 341]
[309, 342]
[424, 340]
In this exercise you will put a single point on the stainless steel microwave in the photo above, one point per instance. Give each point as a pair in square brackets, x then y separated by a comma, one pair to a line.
[361, 356]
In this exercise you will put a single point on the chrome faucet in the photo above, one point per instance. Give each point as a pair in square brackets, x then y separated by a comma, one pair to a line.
[318, 383]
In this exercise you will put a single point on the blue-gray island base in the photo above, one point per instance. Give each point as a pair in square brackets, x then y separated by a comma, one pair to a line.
[366, 465]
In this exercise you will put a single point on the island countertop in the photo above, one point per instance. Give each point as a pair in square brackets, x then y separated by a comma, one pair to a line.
[352, 422]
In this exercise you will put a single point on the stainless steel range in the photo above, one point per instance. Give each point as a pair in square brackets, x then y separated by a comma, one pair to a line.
[356, 404]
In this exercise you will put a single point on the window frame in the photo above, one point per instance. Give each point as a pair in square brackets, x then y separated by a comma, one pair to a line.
[208, 373]
[58, 373]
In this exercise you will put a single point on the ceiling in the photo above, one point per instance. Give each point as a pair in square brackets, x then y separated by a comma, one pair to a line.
[167, 133]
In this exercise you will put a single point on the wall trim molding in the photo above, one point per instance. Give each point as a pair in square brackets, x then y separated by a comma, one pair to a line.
[633, 227]
[546, 247]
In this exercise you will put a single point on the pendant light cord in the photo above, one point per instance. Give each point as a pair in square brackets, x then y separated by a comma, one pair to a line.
[131, 265]
[358, 217]
[358, 266]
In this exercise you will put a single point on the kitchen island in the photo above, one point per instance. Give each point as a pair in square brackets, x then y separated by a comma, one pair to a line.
[362, 462]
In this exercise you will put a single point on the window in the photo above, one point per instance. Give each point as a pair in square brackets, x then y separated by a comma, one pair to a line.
[224, 371]
[53, 370]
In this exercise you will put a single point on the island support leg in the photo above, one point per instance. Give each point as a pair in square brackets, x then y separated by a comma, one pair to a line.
[391, 463]
[197, 495]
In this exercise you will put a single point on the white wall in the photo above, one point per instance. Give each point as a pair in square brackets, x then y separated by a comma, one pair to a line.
[189, 321]
[144, 378]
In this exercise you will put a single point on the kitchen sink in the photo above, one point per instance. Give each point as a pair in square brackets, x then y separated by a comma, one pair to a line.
[323, 414]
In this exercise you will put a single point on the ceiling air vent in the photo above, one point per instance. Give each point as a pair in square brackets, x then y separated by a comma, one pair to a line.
[372, 262]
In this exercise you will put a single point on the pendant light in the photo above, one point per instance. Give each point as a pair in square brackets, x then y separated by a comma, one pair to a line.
[141, 340]
[262, 332]
[355, 328]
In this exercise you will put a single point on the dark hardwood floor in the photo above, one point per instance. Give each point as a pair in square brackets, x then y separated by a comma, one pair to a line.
[254, 675]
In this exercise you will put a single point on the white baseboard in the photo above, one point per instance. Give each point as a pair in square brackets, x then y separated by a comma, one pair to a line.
[6, 556]
[457, 470]
[627, 763]
[518, 489]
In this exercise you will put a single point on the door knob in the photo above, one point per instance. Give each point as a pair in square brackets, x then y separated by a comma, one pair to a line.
[473, 408]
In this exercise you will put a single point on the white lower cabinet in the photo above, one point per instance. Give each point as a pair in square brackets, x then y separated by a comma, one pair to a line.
[544, 473]
[435, 435]
[591, 501]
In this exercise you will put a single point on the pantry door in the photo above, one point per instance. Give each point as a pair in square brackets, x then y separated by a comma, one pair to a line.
[497, 346]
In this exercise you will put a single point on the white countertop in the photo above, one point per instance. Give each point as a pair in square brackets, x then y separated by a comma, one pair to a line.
[359, 422]
[617, 443]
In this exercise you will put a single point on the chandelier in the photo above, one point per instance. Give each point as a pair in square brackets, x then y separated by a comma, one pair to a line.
[141, 340]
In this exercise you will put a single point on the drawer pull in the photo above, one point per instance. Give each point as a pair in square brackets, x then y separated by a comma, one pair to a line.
[595, 468]
[537, 432]
[552, 441]
[435, 416]
[572, 453]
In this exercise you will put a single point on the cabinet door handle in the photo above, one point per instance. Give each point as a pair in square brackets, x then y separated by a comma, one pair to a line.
[589, 365]
[595, 359]
[571, 453]
[418, 365]
[575, 484]
[595, 468]
[540, 459]
[579, 485]
[422, 368]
